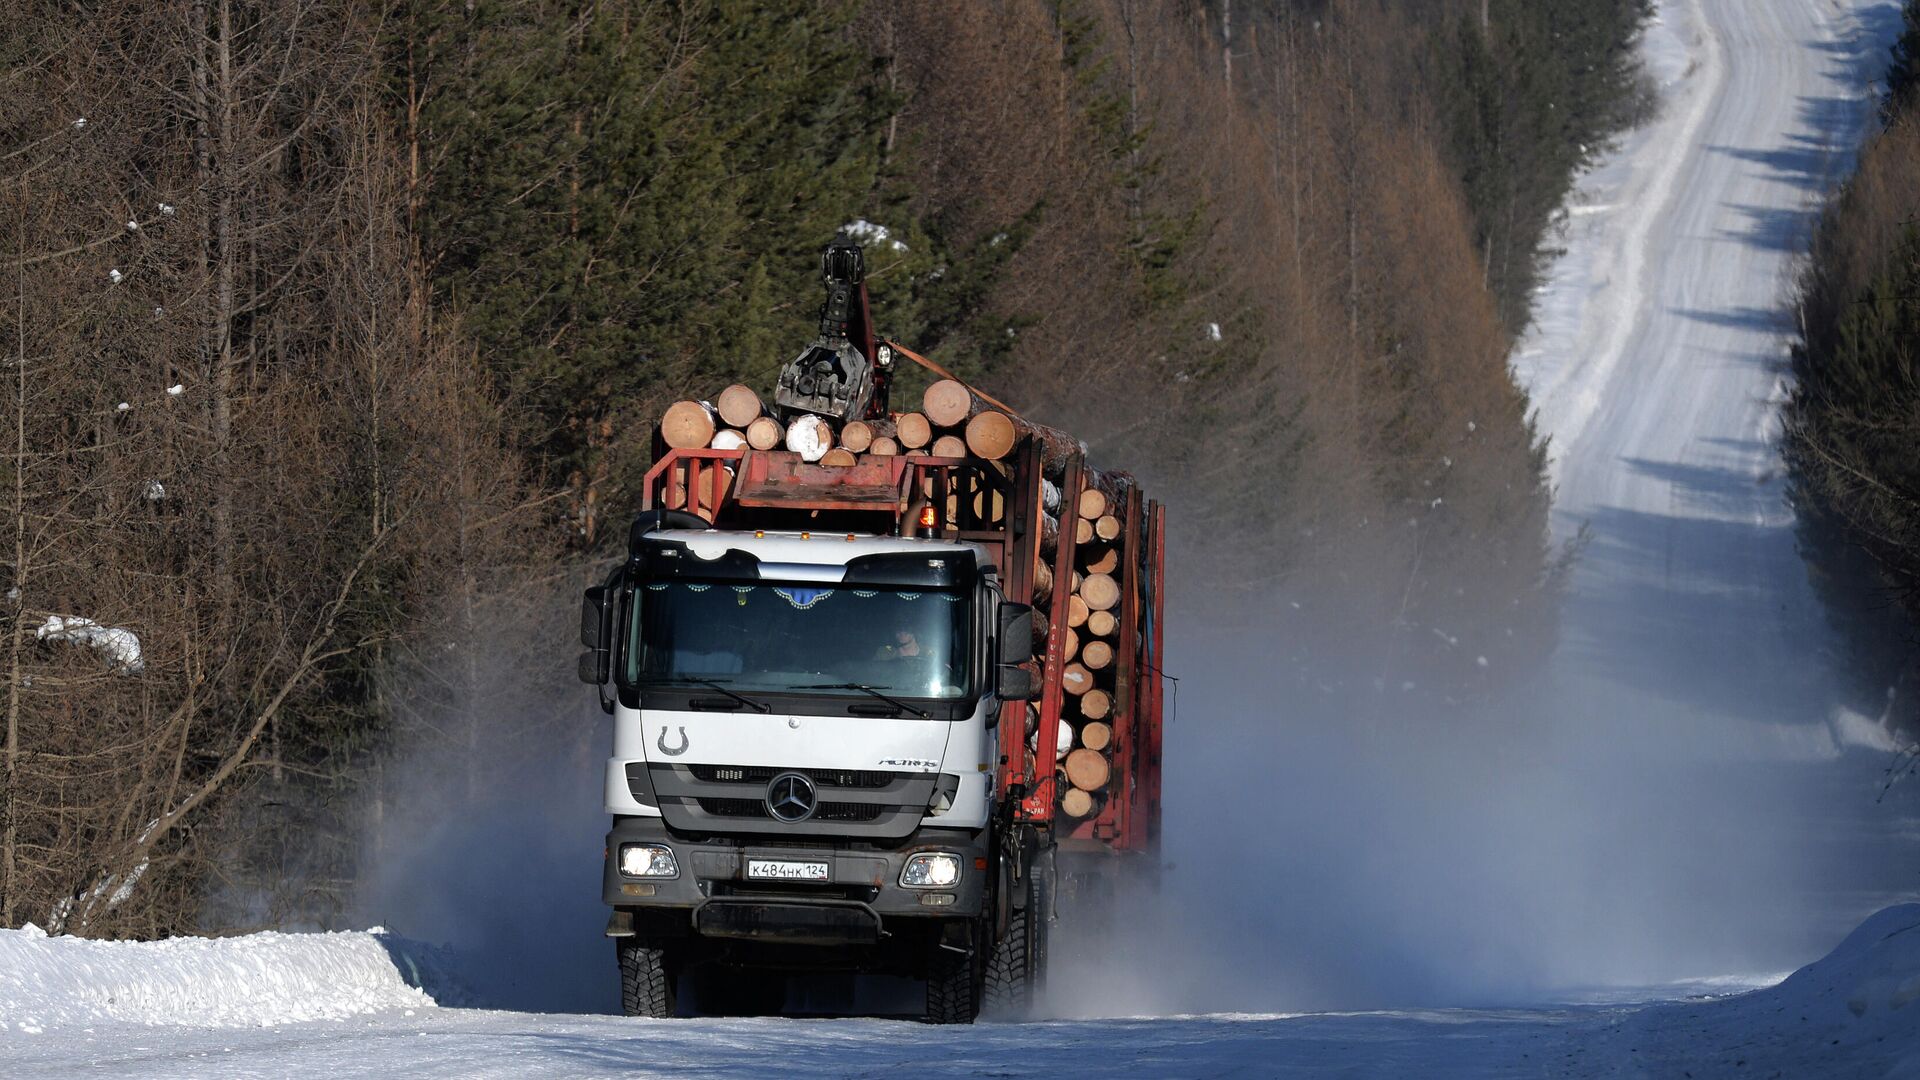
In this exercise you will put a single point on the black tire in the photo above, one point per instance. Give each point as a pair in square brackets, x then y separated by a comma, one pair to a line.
[646, 979]
[1009, 990]
[1017, 969]
[954, 984]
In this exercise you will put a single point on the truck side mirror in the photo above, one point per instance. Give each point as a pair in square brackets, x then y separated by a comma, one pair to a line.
[1014, 683]
[1016, 633]
[592, 614]
[594, 667]
[596, 664]
[1011, 682]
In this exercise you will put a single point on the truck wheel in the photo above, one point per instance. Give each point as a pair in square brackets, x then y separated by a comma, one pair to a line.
[646, 978]
[954, 983]
[1019, 962]
[1009, 985]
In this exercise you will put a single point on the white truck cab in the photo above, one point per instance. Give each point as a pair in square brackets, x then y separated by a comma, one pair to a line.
[803, 752]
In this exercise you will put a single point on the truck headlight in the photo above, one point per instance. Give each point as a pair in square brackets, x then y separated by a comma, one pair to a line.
[648, 860]
[937, 870]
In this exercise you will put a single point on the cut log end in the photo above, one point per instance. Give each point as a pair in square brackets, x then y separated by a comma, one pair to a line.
[686, 425]
[1076, 803]
[1100, 591]
[856, 436]
[991, 435]
[810, 437]
[989, 506]
[949, 446]
[739, 405]
[765, 433]
[1096, 704]
[1088, 769]
[912, 430]
[1077, 613]
[1101, 623]
[840, 456]
[1076, 680]
[1097, 656]
[1096, 736]
[1093, 503]
[1106, 527]
[947, 403]
[884, 446]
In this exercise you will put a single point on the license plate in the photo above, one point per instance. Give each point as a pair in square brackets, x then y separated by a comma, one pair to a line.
[787, 870]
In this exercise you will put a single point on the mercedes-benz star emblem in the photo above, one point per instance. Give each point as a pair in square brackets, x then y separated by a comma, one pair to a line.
[791, 798]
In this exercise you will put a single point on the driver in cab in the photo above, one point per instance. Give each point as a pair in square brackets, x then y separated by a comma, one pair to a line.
[905, 644]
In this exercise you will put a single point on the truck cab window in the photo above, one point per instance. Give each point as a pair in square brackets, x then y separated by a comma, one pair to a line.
[790, 637]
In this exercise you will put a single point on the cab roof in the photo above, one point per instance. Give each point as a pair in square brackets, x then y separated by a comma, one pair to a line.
[809, 556]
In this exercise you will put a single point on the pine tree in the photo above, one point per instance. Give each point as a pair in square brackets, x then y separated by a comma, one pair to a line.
[628, 199]
[1903, 73]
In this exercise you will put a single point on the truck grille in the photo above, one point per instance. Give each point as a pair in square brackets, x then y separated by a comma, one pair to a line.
[828, 811]
[731, 799]
[760, 774]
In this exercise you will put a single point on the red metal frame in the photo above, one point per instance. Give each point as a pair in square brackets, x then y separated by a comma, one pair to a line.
[770, 479]
[1042, 793]
[1143, 824]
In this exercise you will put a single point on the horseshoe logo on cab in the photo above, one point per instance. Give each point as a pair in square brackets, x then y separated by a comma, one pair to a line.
[672, 751]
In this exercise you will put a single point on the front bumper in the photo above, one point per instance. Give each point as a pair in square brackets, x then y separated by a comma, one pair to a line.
[713, 897]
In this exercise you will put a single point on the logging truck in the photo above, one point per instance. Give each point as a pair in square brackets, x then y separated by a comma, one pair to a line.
[883, 685]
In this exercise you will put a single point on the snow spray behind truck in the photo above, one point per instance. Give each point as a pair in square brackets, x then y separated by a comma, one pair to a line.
[883, 684]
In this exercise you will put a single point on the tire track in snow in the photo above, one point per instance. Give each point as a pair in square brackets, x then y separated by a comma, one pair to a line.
[1565, 400]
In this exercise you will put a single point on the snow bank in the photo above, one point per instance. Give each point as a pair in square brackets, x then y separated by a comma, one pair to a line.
[119, 645]
[1855, 1012]
[256, 980]
[869, 234]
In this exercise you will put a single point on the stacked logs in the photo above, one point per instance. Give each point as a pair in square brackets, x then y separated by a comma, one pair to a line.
[953, 422]
[1092, 642]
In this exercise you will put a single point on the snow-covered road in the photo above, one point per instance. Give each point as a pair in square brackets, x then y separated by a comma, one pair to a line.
[1712, 811]
[1729, 799]
[1845, 1016]
[1659, 362]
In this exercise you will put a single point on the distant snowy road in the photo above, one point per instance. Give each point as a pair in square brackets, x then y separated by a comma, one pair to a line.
[1658, 366]
[1721, 801]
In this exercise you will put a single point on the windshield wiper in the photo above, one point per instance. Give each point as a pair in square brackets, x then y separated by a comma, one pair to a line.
[875, 691]
[756, 706]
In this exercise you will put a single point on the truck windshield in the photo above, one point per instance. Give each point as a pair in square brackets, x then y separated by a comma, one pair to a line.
[777, 637]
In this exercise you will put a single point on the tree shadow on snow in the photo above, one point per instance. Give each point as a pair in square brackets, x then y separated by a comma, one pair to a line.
[1672, 604]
